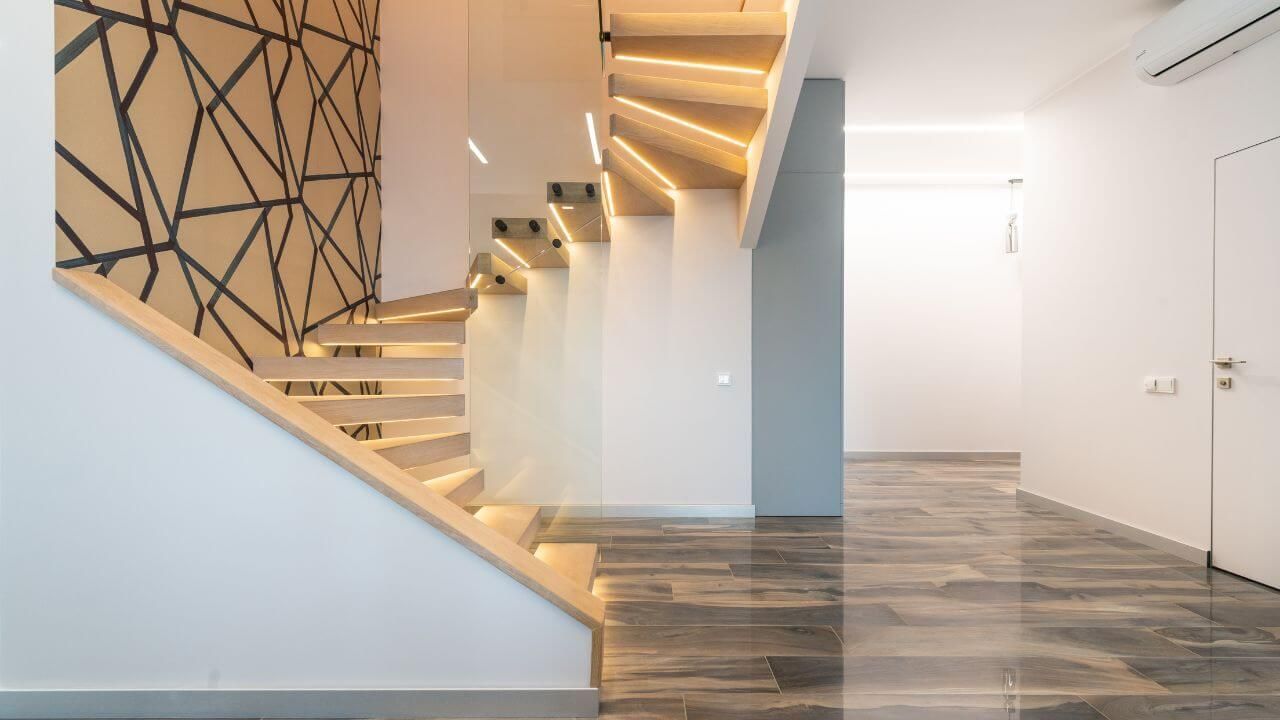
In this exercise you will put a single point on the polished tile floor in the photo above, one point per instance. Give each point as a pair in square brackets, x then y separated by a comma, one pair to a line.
[937, 596]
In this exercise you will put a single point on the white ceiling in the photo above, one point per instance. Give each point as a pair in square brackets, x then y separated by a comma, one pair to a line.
[966, 60]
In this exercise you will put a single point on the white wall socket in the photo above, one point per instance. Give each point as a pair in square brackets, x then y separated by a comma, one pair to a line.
[1160, 385]
[724, 379]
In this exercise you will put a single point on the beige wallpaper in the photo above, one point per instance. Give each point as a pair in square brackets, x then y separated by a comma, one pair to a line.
[219, 158]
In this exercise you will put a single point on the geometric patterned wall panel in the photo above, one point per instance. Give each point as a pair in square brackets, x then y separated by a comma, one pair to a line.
[220, 160]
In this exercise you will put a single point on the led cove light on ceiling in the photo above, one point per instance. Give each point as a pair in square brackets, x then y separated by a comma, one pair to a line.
[591, 132]
[678, 121]
[685, 63]
[476, 151]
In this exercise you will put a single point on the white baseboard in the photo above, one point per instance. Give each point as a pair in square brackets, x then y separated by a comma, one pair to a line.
[649, 511]
[436, 703]
[929, 455]
[1190, 553]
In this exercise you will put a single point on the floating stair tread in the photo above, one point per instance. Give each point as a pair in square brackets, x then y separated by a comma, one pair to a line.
[633, 130]
[322, 369]
[519, 523]
[361, 410]
[575, 561]
[739, 39]
[652, 150]
[418, 450]
[490, 275]
[459, 487]
[536, 253]
[731, 110]
[631, 193]
[394, 333]
[446, 306]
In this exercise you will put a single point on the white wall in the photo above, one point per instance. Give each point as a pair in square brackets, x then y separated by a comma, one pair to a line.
[1117, 267]
[156, 533]
[678, 310]
[424, 141]
[932, 320]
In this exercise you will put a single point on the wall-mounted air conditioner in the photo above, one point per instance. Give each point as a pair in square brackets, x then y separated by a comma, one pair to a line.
[1199, 33]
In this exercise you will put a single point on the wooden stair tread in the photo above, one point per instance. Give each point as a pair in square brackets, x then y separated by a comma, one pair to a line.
[575, 215]
[630, 192]
[447, 306]
[418, 450]
[731, 110]
[392, 333]
[685, 164]
[300, 369]
[491, 275]
[536, 252]
[519, 523]
[361, 410]
[459, 487]
[739, 39]
[575, 561]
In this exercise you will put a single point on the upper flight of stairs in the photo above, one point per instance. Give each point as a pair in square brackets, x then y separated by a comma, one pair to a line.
[671, 133]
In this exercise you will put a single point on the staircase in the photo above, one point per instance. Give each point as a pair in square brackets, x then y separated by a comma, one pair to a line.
[435, 320]
[668, 132]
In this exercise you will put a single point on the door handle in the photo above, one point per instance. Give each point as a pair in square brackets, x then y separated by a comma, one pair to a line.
[1228, 362]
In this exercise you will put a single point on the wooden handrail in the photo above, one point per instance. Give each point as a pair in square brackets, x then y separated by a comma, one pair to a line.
[376, 471]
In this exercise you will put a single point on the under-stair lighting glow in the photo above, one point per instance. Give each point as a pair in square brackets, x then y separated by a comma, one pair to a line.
[688, 64]
[608, 194]
[630, 151]
[678, 121]
[421, 314]
[591, 132]
[927, 129]
[514, 254]
[566, 207]
[476, 281]
[560, 221]
[476, 151]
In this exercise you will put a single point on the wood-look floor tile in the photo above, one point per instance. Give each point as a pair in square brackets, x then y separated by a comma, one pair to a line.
[1188, 707]
[721, 641]
[637, 675]
[614, 589]
[1224, 641]
[732, 540]
[688, 555]
[1239, 613]
[941, 555]
[1212, 676]
[1007, 641]
[687, 613]
[664, 572]
[1075, 612]
[643, 708]
[908, 675]
[789, 706]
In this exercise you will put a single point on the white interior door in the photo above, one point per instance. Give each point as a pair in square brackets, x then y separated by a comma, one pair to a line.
[1246, 327]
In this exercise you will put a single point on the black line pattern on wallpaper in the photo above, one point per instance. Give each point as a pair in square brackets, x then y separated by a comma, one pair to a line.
[220, 160]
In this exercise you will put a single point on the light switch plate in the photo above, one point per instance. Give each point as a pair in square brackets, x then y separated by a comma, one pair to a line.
[724, 379]
[1160, 385]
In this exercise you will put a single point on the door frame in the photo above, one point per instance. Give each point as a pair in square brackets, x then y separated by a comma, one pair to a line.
[1213, 338]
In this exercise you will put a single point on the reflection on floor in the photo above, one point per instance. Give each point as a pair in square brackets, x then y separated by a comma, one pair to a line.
[938, 595]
